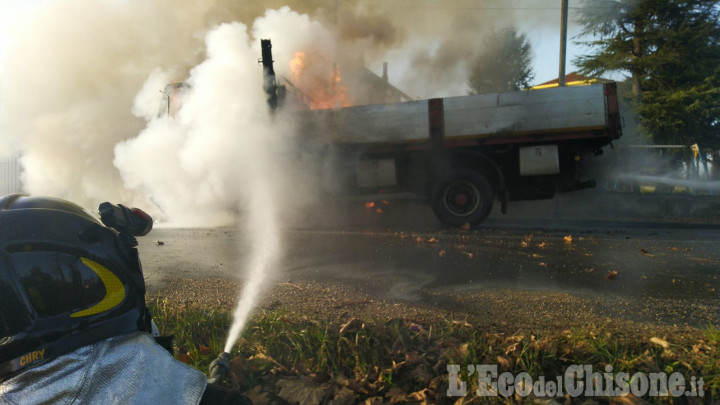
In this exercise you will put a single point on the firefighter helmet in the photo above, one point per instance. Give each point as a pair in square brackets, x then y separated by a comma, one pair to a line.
[66, 281]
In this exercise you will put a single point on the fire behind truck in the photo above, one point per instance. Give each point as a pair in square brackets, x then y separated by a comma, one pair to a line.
[462, 153]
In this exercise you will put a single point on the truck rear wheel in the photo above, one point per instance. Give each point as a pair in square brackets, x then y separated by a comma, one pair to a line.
[463, 196]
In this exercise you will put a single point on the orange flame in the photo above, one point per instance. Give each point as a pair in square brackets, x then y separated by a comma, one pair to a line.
[297, 64]
[320, 91]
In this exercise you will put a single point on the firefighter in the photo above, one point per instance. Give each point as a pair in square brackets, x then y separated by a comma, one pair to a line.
[74, 327]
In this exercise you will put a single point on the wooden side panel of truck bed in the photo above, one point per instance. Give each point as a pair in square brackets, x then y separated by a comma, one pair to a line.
[555, 110]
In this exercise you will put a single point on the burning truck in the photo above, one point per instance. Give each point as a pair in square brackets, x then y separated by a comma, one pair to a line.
[461, 154]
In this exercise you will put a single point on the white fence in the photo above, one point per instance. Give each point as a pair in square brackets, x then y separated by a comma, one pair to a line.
[10, 176]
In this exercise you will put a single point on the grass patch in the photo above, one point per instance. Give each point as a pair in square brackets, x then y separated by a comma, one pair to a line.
[403, 360]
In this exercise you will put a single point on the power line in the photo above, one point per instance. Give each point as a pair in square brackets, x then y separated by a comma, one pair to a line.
[450, 7]
[484, 8]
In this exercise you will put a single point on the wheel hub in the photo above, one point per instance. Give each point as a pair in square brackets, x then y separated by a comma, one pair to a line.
[462, 198]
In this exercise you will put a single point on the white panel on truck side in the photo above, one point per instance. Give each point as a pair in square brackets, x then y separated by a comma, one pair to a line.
[539, 160]
[375, 173]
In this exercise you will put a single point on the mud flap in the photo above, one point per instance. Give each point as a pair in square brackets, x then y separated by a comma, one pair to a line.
[504, 197]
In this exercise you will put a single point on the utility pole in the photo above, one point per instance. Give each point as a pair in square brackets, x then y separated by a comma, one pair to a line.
[335, 72]
[336, 14]
[563, 41]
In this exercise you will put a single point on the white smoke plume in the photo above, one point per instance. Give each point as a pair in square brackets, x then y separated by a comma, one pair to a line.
[222, 149]
[68, 81]
[221, 142]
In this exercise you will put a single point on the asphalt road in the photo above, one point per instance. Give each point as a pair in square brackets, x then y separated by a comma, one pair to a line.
[654, 272]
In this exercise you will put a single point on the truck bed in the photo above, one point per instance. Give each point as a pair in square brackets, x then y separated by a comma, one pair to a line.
[498, 115]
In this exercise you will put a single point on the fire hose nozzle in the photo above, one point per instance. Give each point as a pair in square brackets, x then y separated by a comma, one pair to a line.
[133, 221]
[219, 368]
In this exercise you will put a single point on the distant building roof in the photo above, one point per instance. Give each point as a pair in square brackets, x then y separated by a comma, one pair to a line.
[571, 79]
[377, 89]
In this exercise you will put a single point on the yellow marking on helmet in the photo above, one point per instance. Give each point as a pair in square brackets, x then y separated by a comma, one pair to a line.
[114, 290]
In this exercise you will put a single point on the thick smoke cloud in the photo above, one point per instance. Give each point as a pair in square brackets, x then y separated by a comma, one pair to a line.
[222, 145]
[81, 81]
[68, 83]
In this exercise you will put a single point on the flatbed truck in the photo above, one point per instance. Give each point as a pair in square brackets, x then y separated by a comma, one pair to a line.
[462, 153]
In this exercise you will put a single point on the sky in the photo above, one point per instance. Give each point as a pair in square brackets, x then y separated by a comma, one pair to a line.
[538, 19]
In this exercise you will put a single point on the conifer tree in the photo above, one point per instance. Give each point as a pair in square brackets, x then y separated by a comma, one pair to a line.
[670, 51]
[504, 64]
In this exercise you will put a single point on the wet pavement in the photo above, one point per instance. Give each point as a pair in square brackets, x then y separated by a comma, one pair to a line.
[664, 273]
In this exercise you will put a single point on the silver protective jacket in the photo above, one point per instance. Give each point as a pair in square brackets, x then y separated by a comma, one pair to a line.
[129, 369]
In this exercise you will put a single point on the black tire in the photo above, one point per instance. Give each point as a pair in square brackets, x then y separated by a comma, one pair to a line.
[463, 196]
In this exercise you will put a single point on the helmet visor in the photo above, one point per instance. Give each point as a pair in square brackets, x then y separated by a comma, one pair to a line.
[58, 283]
